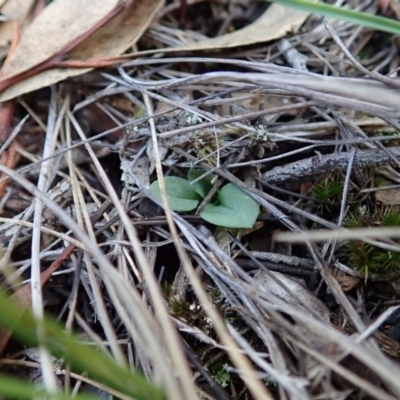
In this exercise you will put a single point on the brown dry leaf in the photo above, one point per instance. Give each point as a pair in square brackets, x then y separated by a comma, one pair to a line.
[62, 21]
[347, 282]
[65, 21]
[388, 196]
[15, 11]
[223, 236]
[390, 6]
[273, 24]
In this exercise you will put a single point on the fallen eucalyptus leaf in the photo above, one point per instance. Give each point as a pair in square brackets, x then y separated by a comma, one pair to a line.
[65, 21]
[15, 11]
[388, 196]
[273, 24]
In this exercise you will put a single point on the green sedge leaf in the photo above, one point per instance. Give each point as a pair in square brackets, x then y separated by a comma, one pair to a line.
[14, 388]
[96, 364]
[356, 17]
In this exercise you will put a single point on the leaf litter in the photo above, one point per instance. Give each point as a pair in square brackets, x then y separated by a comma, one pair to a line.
[234, 314]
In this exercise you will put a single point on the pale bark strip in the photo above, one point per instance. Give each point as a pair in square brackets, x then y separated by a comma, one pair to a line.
[329, 163]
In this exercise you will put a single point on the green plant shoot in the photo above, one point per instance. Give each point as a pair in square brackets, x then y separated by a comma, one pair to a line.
[231, 207]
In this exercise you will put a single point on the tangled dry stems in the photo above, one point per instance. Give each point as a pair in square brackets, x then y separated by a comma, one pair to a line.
[268, 129]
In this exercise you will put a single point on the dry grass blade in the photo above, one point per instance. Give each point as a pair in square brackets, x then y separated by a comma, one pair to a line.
[336, 91]
[36, 284]
[175, 352]
[247, 374]
[302, 305]
[322, 235]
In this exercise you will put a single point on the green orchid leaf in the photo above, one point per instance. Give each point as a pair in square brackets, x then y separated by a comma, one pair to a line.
[235, 209]
[204, 185]
[181, 194]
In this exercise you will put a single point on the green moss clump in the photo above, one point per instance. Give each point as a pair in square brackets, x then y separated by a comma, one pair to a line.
[329, 191]
[364, 257]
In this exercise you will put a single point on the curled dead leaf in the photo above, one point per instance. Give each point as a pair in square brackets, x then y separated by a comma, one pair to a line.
[64, 22]
[79, 30]
[273, 24]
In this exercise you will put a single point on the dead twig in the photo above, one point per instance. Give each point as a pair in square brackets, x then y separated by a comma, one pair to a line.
[330, 163]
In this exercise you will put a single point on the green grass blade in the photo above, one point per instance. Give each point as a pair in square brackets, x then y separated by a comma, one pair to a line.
[13, 388]
[82, 357]
[356, 17]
